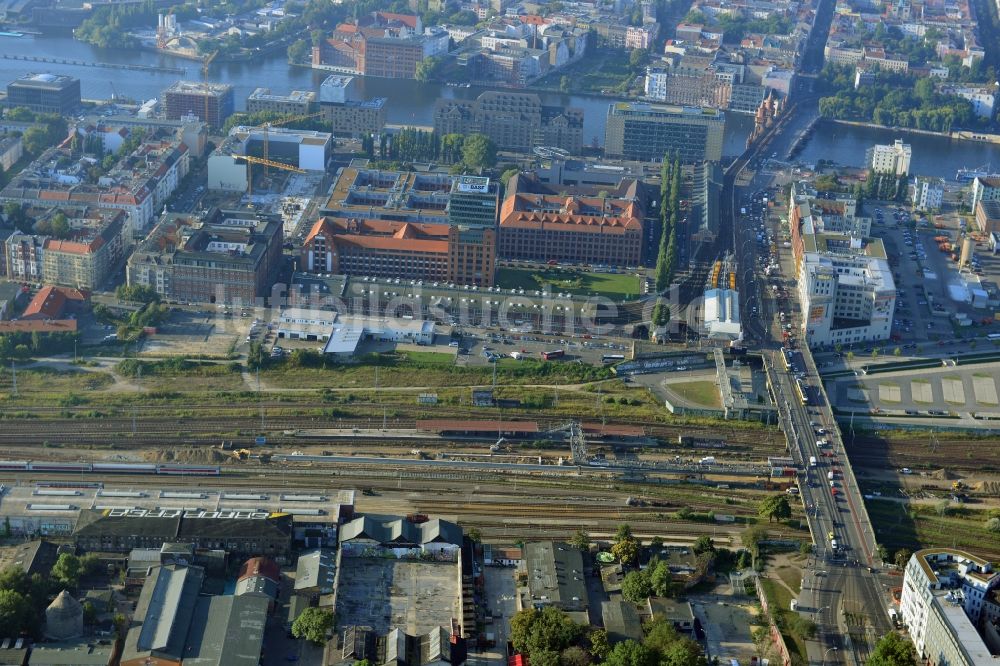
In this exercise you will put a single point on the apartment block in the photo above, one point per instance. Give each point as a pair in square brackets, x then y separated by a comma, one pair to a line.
[949, 604]
[927, 193]
[220, 256]
[92, 252]
[985, 188]
[347, 114]
[380, 44]
[648, 132]
[139, 184]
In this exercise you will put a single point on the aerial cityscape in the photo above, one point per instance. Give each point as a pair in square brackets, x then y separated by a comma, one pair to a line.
[499, 333]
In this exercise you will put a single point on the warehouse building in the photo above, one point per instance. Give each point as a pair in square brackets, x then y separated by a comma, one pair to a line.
[554, 574]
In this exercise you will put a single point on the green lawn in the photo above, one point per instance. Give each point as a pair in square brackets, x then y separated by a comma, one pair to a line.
[604, 69]
[432, 358]
[618, 286]
[779, 602]
[906, 526]
[700, 392]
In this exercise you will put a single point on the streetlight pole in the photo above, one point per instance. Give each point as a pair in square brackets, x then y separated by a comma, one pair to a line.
[833, 649]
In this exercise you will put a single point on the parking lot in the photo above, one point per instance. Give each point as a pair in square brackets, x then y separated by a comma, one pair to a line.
[386, 593]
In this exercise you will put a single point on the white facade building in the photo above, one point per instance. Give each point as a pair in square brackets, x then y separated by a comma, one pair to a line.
[928, 193]
[343, 333]
[894, 159]
[983, 98]
[847, 295]
[941, 605]
[656, 83]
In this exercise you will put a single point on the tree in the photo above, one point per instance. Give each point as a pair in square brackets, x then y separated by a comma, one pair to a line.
[752, 536]
[66, 570]
[427, 68]
[35, 140]
[545, 657]
[624, 531]
[60, 226]
[581, 540]
[565, 84]
[574, 656]
[992, 524]
[892, 650]
[636, 587]
[775, 507]
[703, 544]
[626, 550]
[902, 557]
[683, 652]
[298, 51]
[90, 565]
[599, 646]
[533, 631]
[630, 653]
[89, 613]
[943, 507]
[313, 625]
[661, 579]
[474, 535]
[479, 152]
[16, 579]
[14, 612]
[881, 552]
[637, 57]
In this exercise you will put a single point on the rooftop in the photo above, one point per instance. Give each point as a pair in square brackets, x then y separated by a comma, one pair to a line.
[198, 88]
[555, 575]
[72, 653]
[45, 80]
[297, 96]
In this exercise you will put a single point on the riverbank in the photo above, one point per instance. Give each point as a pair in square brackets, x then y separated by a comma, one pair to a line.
[960, 135]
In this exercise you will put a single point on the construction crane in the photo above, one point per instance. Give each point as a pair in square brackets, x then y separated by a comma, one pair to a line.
[204, 77]
[250, 160]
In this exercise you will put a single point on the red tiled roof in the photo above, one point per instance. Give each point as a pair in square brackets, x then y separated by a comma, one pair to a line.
[260, 566]
[50, 302]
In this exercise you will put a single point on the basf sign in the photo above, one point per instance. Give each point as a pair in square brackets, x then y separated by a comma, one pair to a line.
[474, 184]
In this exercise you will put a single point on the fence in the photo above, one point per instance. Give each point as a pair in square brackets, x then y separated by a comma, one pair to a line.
[776, 637]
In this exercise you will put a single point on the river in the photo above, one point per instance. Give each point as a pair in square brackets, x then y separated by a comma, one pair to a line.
[411, 102]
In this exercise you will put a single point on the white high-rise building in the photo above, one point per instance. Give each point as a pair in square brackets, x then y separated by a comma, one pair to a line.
[894, 159]
[846, 290]
[946, 597]
[928, 193]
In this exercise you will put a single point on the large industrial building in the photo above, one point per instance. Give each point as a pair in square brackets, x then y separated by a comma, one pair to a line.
[951, 607]
[344, 333]
[303, 149]
[639, 131]
[211, 103]
[540, 222]
[512, 120]
[45, 93]
[408, 250]
[554, 578]
[419, 225]
[220, 256]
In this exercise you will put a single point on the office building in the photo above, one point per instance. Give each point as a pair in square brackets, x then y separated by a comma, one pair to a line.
[512, 120]
[984, 188]
[347, 114]
[886, 159]
[945, 605]
[220, 256]
[295, 103]
[846, 290]
[540, 222]
[11, 150]
[927, 193]
[473, 202]
[45, 93]
[988, 215]
[648, 132]
[407, 250]
[211, 103]
[382, 44]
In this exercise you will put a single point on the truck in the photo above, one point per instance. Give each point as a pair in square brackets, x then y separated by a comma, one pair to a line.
[812, 461]
[830, 476]
[552, 355]
[833, 544]
[707, 460]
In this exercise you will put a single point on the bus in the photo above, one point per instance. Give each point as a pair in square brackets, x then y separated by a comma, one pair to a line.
[786, 358]
[612, 358]
[993, 336]
[802, 390]
[552, 355]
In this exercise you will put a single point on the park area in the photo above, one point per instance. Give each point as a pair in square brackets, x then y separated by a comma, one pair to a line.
[616, 286]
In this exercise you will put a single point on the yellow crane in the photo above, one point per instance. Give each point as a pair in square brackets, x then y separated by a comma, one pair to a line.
[204, 77]
[251, 160]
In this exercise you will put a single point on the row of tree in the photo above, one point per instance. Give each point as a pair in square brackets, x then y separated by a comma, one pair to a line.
[23, 598]
[26, 345]
[474, 152]
[885, 187]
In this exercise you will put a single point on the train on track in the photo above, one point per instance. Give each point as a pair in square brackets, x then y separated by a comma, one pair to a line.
[109, 468]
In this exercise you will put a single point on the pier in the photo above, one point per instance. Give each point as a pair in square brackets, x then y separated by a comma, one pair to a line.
[105, 65]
